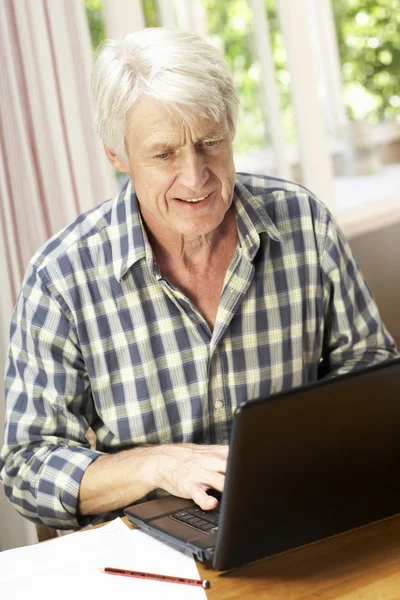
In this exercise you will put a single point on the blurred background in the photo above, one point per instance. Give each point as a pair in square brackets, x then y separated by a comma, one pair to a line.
[319, 90]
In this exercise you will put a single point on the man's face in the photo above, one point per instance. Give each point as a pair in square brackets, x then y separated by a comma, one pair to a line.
[183, 174]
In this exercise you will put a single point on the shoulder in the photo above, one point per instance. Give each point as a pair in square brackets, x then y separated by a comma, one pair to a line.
[272, 191]
[290, 210]
[257, 184]
[285, 200]
[50, 268]
[84, 242]
[88, 226]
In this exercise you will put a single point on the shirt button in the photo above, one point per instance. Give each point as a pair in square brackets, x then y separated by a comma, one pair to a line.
[218, 404]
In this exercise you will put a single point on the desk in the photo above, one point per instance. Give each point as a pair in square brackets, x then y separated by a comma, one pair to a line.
[362, 564]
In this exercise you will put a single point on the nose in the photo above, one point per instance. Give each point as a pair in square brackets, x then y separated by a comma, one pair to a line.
[194, 172]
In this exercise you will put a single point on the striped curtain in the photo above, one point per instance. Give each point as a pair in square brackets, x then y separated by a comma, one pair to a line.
[52, 166]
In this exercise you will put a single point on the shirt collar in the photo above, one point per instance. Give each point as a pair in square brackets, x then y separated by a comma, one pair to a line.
[129, 240]
[127, 235]
[252, 219]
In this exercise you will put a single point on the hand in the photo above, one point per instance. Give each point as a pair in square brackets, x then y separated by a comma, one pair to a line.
[188, 470]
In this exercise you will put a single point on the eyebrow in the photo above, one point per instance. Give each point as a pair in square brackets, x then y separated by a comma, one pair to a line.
[162, 146]
[158, 147]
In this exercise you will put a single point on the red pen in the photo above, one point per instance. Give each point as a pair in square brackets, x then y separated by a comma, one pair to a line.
[204, 583]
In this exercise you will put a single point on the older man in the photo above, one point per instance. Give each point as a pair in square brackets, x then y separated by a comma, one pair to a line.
[153, 315]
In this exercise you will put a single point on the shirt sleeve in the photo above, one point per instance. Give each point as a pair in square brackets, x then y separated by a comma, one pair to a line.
[48, 411]
[354, 334]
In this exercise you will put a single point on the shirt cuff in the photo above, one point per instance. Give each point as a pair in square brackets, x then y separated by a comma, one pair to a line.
[58, 489]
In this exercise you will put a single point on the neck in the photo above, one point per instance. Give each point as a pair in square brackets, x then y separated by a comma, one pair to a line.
[196, 252]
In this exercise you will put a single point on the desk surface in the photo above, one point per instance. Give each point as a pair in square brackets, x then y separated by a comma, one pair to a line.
[361, 564]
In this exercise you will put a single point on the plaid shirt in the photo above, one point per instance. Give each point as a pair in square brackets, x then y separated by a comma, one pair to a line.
[100, 338]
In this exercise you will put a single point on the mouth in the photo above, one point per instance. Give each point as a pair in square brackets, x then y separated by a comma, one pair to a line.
[193, 200]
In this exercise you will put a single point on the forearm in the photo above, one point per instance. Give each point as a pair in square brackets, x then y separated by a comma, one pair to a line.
[113, 481]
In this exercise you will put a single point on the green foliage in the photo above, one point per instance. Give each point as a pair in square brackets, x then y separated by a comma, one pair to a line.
[369, 44]
[96, 23]
[150, 13]
[230, 27]
[95, 20]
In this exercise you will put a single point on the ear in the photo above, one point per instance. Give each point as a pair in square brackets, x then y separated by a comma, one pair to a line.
[116, 162]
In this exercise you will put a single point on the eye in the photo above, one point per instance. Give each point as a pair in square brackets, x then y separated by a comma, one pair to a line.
[163, 156]
[210, 143]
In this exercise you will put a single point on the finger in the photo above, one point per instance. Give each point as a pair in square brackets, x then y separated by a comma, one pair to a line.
[210, 503]
[205, 479]
[202, 499]
[216, 481]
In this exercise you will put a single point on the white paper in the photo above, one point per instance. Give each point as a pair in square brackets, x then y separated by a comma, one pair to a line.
[68, 568]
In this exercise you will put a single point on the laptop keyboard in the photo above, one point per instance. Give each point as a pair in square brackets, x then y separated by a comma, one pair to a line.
[205, 520]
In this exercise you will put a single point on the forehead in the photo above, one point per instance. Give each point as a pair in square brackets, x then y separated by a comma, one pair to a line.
[152, 124]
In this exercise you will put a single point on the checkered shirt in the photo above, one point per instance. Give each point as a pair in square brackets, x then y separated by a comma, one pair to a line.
[100, 338]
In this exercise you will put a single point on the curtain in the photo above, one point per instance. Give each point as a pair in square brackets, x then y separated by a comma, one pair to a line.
[52, 165]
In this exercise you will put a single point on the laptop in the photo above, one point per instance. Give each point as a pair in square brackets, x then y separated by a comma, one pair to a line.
[303, 465]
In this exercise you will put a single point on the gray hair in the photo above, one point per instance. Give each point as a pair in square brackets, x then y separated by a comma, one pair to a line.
[181, 71]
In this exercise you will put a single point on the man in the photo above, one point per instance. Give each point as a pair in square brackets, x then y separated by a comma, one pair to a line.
[154, 315]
